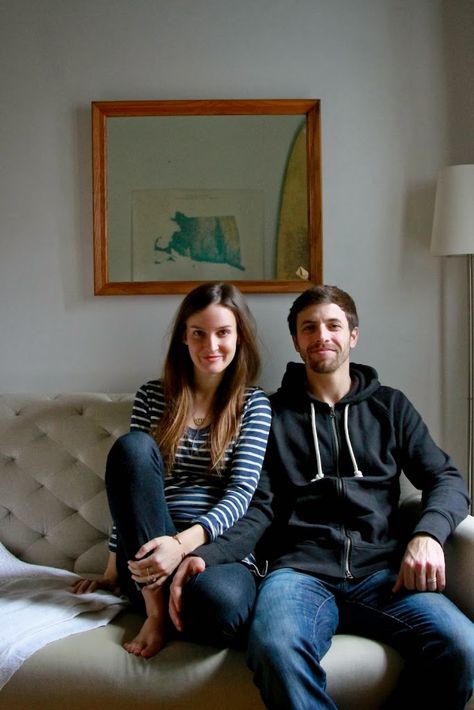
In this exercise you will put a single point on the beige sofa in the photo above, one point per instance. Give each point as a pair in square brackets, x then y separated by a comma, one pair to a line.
[53, 511]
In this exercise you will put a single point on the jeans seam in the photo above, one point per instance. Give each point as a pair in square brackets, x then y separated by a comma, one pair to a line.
[384, 613]
[315, 623]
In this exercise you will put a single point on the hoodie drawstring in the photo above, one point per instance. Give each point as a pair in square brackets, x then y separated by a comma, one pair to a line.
[320, 473]
[357, 473]
[319, 466]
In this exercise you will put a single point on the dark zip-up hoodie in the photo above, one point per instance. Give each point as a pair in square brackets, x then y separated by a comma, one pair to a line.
[335, 473]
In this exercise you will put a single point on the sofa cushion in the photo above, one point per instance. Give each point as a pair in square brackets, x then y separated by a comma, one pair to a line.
[53, 508]
[93, 671]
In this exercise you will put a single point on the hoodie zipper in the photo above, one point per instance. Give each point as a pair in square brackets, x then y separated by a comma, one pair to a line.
[347, 540]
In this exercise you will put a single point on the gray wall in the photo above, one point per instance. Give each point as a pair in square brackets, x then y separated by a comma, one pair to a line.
[395, 78]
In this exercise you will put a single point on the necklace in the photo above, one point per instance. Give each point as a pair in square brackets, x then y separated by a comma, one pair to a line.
[198, 421]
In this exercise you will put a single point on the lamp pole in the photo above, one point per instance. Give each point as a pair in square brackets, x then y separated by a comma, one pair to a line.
[470, 418]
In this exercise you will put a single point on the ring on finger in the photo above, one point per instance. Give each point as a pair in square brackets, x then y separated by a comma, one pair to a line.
[432, 580]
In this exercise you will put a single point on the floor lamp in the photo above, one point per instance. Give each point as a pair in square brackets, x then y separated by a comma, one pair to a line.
[453, 234]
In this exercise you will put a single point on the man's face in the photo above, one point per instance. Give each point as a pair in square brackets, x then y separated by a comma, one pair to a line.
[323, 338]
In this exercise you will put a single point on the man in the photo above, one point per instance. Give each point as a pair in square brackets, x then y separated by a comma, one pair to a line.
[339, 443]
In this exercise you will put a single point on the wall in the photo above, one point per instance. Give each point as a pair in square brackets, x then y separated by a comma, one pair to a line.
[392, 76]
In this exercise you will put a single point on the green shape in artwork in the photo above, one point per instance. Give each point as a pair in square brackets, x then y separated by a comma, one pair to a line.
[214, 240]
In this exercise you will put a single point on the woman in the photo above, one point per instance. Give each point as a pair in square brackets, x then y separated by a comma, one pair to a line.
[187, 470]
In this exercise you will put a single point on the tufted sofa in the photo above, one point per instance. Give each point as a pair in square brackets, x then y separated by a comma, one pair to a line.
[53, 511]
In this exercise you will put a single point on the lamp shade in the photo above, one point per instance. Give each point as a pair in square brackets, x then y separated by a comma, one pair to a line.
[453, 222]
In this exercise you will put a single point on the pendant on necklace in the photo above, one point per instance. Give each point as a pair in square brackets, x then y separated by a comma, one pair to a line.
[198, 420]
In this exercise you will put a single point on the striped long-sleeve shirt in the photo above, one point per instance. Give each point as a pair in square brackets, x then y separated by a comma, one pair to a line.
[195, 494]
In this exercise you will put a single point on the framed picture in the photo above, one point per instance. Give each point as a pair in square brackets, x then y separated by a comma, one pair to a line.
[191, 191]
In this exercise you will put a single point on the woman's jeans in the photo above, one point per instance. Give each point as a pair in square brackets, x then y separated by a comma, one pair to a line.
[217, 602]
[297, 614]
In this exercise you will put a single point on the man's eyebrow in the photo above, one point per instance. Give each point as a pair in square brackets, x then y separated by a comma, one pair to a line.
[317, 320]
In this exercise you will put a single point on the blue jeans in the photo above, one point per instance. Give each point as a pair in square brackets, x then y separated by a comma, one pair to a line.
[297, 614]
[217, 602]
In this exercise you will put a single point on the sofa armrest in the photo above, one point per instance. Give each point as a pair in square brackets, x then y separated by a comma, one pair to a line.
[459, 550]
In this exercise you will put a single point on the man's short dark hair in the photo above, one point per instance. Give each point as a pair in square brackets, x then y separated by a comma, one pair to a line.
[324, 294]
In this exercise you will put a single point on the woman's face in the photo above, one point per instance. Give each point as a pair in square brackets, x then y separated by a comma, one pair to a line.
[211, 337]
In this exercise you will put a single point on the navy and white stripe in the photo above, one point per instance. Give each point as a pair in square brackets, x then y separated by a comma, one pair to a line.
[194, 493]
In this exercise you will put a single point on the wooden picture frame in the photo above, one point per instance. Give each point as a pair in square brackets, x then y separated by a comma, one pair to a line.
[191, 191]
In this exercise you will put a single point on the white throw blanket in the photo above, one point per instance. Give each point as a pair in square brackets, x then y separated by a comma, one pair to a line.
[37, 606]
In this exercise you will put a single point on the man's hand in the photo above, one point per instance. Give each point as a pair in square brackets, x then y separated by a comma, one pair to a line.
[422, 567]
[187, 569]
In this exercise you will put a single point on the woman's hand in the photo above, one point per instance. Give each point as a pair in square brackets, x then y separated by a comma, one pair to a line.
[87, 586]
[108, 581]
[156, 560]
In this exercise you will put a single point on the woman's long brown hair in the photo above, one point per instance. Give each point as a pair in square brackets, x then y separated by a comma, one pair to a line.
[178, 375]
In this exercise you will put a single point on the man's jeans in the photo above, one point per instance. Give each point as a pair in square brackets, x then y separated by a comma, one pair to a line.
[217, 602]
[297, 614]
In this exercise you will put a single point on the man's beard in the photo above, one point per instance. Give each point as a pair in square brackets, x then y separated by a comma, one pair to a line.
[324, 366]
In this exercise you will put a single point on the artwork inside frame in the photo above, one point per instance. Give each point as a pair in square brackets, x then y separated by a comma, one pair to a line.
[196, 153]
[197, 234]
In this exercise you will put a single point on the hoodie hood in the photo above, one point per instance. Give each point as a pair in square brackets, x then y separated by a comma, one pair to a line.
[293, 386]
[293, 393]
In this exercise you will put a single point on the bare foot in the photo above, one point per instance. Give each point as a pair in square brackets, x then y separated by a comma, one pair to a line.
[149, 640]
